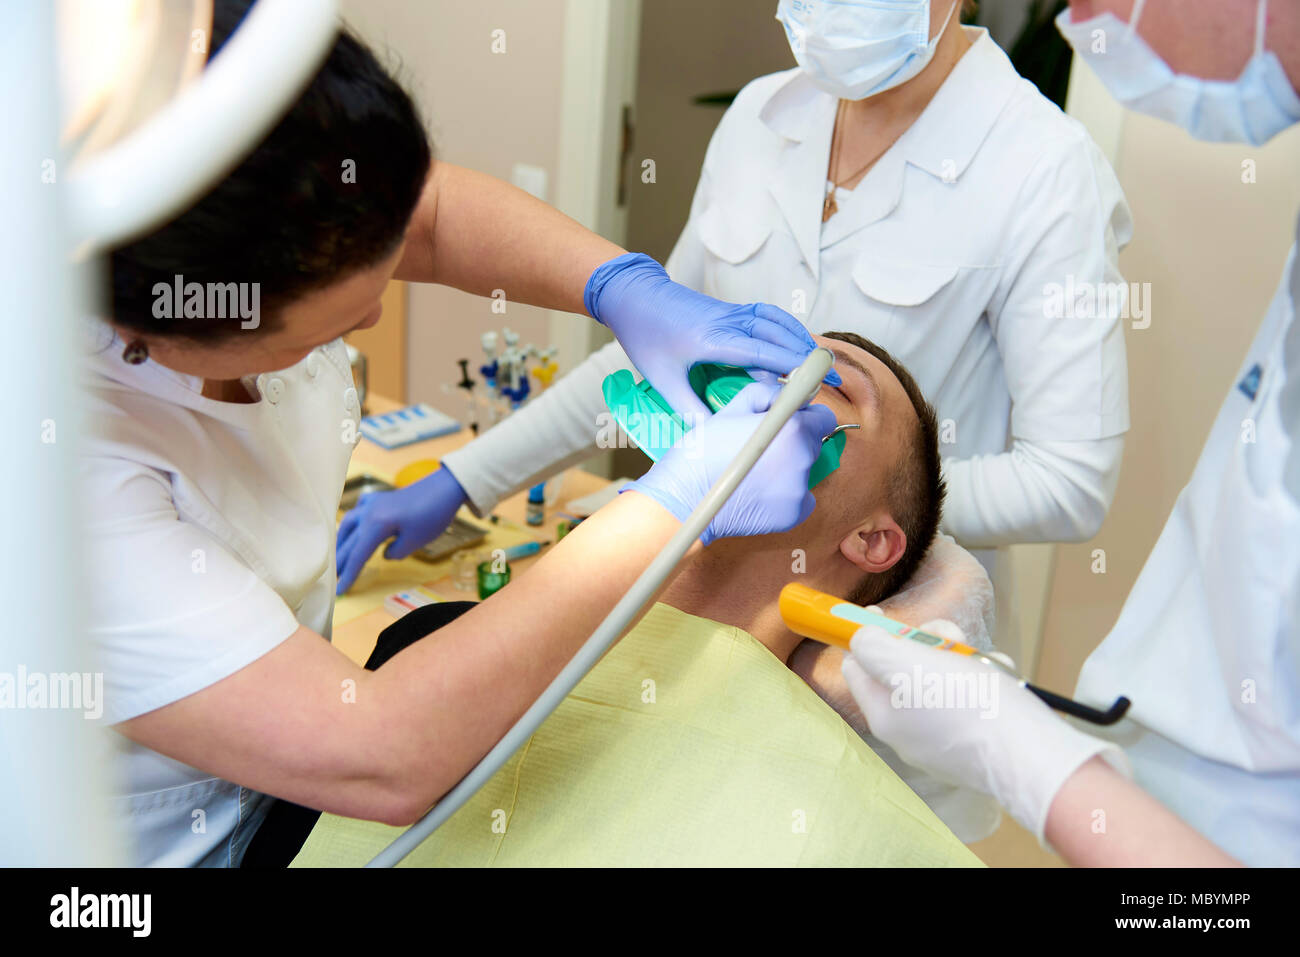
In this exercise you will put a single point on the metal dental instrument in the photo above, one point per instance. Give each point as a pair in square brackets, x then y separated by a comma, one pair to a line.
[833, 621]
[467, 384]
[833, 432]
[804, 383]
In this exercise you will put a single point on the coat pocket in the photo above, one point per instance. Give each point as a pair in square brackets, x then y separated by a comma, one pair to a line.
[898, 283]
[732, 233]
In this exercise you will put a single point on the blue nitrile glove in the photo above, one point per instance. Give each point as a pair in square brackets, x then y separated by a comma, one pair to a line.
[773, 497]
[665, 328]
[416, 514]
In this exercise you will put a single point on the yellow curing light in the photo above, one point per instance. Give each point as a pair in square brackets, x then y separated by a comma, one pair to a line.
[834, 621]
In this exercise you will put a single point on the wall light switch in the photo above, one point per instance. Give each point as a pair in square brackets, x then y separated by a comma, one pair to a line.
[531, 179]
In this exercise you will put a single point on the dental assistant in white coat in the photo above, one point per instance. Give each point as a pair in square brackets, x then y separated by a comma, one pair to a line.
[1208, 643]
[962, 199]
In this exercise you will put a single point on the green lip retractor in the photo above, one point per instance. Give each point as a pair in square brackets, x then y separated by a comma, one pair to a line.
[655, 427]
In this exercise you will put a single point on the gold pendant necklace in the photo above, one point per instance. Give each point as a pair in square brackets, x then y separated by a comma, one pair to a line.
[829, 206]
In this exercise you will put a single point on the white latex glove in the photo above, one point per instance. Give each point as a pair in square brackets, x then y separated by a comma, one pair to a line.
[1000, 740]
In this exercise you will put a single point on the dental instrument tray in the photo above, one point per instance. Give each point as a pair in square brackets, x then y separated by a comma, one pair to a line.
[460, 534]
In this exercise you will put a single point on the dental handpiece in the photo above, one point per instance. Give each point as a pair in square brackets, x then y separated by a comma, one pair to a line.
[804, 383]
[783, 380]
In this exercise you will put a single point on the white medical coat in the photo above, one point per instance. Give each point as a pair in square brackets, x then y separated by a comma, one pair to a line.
[1208, 643]
[209, 541]
[954, 253]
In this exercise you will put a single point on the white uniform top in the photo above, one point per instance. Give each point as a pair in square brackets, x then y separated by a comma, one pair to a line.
[1208, 644]
[209, 540]
[950, 254]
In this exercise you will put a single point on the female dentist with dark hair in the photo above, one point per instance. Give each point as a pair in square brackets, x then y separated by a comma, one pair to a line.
[217, 443]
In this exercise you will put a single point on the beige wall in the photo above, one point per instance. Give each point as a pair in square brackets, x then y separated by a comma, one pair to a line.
[730, 42]
[384, 346]
[1213, 249]
[484, 110]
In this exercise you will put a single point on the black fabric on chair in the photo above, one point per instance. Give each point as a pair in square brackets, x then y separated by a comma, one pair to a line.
[287, 825]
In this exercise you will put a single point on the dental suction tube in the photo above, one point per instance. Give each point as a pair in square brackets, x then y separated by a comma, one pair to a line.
[799, 390]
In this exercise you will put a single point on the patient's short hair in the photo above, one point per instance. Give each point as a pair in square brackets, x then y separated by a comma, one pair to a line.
[916, 489]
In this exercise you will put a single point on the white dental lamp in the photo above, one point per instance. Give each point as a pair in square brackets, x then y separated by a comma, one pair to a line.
[115, 124]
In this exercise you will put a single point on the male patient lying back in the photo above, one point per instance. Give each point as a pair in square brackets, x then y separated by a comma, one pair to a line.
[692, 742]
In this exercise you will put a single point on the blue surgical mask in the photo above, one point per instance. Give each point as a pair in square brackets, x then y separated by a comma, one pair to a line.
[854, 49]
[1253, 108]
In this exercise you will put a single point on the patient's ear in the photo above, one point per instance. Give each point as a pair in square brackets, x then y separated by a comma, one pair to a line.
[876, 545]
